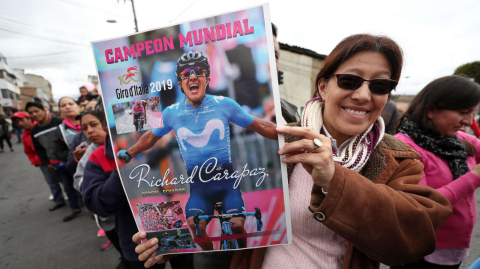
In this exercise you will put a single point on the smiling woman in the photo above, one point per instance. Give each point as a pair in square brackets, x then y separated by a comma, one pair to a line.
[431, 126]
[354, 194]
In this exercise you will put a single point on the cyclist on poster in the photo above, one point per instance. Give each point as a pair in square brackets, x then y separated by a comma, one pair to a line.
[201, 125]
[138, 112]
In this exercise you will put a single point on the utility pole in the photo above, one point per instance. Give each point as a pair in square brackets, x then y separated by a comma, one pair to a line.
[134, 17]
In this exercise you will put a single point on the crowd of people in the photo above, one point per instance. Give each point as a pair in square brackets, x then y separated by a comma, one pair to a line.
[60, 147]
[364, 189]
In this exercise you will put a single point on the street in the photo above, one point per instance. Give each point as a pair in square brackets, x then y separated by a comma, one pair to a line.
[33, 237]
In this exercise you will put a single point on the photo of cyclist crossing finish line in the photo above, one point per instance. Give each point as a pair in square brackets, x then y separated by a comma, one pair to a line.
[134, 116]
[139, 115]
[201, 125]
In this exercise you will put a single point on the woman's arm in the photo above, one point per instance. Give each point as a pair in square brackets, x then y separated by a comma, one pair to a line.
[462, 186]
[102, 190]
[391, 223]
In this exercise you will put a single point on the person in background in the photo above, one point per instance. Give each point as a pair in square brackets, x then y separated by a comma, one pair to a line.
[18, 131]
[289, 110]
[431, 127]
[51, 149]
[23, 120]
[4, 133]
[390, 116]
[76, 152]
[94, 133]
[88, 91]
[103, 195]
[70, 126]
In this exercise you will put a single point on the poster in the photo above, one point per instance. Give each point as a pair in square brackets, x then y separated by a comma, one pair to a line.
[194, 107]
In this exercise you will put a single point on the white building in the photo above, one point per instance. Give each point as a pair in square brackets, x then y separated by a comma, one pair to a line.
[300, 68]
[10, 91]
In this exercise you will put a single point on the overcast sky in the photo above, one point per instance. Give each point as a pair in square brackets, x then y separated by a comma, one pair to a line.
[52, 37]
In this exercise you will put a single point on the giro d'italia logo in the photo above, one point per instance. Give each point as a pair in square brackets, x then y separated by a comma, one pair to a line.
[131, 75]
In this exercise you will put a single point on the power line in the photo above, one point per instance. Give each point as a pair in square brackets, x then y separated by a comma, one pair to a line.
[115, 4]
[92, 8]
[184, 10]
[35, 26]
[41, 37]
[42, 55]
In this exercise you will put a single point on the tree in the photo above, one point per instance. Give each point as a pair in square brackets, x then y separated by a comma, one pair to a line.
[471, 70]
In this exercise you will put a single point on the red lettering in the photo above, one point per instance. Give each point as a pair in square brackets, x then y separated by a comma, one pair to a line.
[229, 30]
[209, 34]
[168, 43]
[198, 39]
[148, 45]
[118, 55]
[139, 47]
[220, 30]
[157, 44]
[237, 29]
[129, 52]
[247, 30]
[184, 40]
[110, 60]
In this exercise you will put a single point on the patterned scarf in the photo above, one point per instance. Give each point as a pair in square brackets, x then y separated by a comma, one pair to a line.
[357, 152]
[450, 148]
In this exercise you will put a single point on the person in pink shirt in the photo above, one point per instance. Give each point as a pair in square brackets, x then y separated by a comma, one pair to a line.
[431, 126]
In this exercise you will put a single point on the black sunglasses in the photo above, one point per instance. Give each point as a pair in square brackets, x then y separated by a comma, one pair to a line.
[376, 86]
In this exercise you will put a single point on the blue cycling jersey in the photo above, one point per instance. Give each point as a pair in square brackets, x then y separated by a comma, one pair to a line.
[204, 132]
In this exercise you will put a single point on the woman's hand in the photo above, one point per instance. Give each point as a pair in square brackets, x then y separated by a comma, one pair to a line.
[147, 250]
[79, 152]
[318, 163]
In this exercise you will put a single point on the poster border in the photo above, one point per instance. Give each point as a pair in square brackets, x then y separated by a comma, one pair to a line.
[276, 96]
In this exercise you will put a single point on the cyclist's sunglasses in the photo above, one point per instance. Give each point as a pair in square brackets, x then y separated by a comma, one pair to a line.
[198, 71]
[376, 86]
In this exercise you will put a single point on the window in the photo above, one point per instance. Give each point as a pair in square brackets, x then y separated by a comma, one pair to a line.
[5, 93]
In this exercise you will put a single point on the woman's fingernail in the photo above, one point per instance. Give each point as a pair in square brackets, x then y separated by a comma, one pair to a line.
[154, 241]
[280, 128]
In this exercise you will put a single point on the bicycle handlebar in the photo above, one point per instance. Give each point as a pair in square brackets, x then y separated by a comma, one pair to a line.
[257, 214]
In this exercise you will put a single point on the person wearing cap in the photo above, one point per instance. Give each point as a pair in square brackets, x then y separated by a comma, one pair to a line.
[52, 150]
[23, 120]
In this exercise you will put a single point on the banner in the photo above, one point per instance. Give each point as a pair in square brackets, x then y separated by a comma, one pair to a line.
[191, 112]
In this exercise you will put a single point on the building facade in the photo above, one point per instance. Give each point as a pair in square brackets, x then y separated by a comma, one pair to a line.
[10, 100]
[40, 89]
[300, 68]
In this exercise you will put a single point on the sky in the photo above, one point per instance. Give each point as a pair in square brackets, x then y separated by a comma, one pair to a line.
[52, 38]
